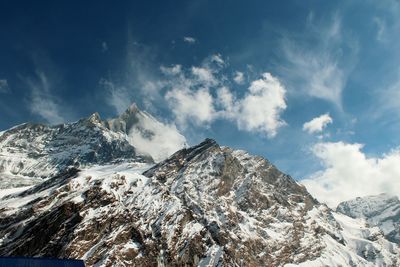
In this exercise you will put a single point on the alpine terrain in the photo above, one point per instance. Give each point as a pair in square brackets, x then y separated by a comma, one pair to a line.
[382, 210]
[113, 193]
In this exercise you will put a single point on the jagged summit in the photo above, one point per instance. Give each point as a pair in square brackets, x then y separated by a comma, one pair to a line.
[39, 150]
[125, 121]
[132, 108]
[95, 117]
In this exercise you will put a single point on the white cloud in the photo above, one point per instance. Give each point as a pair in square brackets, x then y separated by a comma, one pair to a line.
[318, 67]
[173, 70]
[204, 75]
[217, 58]
[4, 86]
[226, 100]
[261, 108]
[163, 142]
[188, 105]
[390, 97]
[388, 23]
[42, 102]
[189, 39]
[188, 95]
[381, 29]
[349, 173]
[239, 77]
[117, 97]
[317, 124]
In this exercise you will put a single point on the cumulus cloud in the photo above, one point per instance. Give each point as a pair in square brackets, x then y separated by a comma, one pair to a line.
[315, 63]
[199, 95]
[239, 77]
[42, 102]
[317, 124]
[350, 173]
[191, 100]
[4, 86]
[188, 105]
[227, 102]
[189, 39]
[204, 75]
[260, 109]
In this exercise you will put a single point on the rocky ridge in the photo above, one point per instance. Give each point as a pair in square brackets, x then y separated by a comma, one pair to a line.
[204, 206]
[34, 150]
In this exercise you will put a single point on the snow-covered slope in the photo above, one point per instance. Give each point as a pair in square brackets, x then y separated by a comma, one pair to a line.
[382, 210]
[204, 206]
[37, 150]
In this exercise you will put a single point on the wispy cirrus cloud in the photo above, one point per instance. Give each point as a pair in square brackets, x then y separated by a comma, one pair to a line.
[41, 101]
[315, 64]
[386, 92]
[118, 97]
[386, 106]
[381, 29]
[4, 86]
[387, 21]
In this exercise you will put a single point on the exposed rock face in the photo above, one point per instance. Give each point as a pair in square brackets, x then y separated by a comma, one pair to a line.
[38, 150]
[382, 210]
[204, 206]
[41, 151]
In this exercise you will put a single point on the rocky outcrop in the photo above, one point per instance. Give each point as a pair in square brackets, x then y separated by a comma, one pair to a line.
[41, 151]
[204, 206]
[38, 150]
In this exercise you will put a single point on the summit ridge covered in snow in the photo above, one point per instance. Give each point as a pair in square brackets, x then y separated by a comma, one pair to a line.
[36, 150]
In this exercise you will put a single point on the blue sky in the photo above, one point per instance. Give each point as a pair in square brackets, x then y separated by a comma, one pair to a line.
[281, 64]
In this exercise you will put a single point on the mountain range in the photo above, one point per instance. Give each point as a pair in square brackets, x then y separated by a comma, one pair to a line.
[129, 191]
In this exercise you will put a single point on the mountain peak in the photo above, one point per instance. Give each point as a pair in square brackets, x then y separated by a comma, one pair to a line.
[133, 108]
[95, 117]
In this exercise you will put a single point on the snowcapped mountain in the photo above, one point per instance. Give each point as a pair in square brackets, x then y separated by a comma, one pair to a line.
[382, 210]
[205, 205]
[40, 151]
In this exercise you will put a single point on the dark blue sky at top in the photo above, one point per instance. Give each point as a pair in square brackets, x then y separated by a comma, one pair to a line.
[78, 44]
